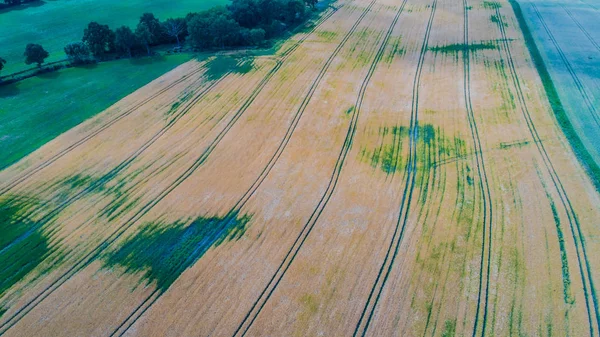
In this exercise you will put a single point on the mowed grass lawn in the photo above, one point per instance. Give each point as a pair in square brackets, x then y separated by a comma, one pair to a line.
[54, 23]
[36, 110]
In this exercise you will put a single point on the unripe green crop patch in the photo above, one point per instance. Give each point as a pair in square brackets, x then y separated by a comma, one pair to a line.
[161, 252]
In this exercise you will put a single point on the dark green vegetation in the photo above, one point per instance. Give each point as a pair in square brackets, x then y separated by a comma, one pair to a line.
[23, 243]
[491, 5]
[35, 53]
[449, 328]
[433, 148]
[455, 48]
[32, 114]
[586, 159]
[396, 50]
[498, 20]
[162, 252]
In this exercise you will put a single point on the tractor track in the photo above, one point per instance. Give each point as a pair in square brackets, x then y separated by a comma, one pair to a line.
[410, 173]
[92, 255]
[578, 238]
[484, 187]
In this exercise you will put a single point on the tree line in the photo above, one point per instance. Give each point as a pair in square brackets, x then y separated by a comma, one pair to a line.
[241, 23]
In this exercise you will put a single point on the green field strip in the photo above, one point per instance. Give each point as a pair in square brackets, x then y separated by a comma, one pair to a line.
[585, 158]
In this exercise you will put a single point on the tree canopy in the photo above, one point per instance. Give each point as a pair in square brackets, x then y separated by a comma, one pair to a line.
[35, 53]
[144, 35]
[175, 28]
[125, 40]
[77, 52]
[99, 38]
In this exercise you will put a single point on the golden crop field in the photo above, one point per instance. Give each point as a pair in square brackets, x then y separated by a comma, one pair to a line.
[395, 169]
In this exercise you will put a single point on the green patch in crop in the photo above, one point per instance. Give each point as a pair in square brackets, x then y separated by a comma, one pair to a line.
[455, 48]
[326, 36]
[350, 110]
[162, 252]
[432, 148]
[585, 158]
[182, 99]
[491, 5]
[517, 143]
[499, 20]
[23, 243]
[2, 311]
[395, 49]
[449, 328]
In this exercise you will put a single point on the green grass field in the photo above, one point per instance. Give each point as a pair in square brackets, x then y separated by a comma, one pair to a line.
[53, 24]
[36, 110]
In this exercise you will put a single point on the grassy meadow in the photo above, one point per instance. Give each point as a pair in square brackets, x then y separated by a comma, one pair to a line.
[36, 110]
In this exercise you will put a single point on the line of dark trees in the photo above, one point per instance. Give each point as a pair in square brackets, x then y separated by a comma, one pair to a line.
[241, 23]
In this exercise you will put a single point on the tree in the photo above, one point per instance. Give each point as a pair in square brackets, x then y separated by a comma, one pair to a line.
[154, 26]
[198, 29]
[294, 11]
[125, 39]
[143, 34]
[12, 2]
[175, 28]
[35, 53]
[99, 38]
[2, 63]
[270, 10]
[77, 52]
[225, 31]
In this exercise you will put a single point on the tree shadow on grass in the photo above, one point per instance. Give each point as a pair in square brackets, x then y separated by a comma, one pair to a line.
[86, 66]
[146, 60]
[9, 90]
[50, 75]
